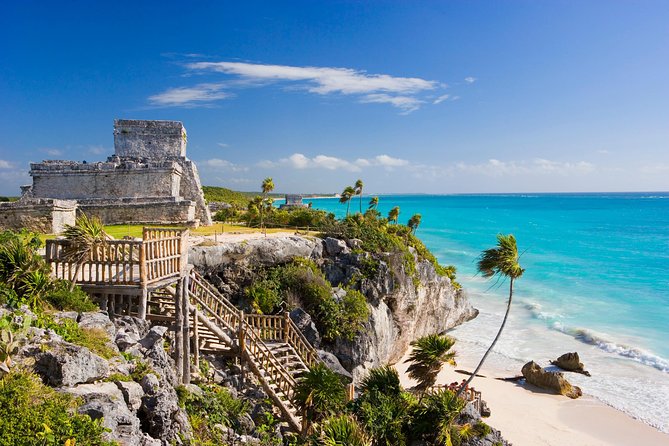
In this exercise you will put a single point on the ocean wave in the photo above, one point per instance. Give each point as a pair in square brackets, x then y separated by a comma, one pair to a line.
[588, 337]
[637, 354]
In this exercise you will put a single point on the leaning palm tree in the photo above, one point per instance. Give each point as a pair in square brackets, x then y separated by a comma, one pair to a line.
[358, 191]
[373, 203]
[414, 222]
[86, 236]
[427, 357]
[346, 196]
[394, 214]
[267, 187]
[501, 261]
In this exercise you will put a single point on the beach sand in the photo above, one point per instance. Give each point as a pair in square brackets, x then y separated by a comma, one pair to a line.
[528, 416]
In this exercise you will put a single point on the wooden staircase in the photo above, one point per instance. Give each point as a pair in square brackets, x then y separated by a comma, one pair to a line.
[272, 346]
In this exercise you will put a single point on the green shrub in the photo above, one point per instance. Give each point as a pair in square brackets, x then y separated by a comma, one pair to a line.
[95, 339]
[32, 413]
[215, 406]
[61, 298]
[433, 418]
[384, 379]
[342, 430]
[264, 296]
[354, 313]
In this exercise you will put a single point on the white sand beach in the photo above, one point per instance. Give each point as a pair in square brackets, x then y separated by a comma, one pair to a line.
[528, 416]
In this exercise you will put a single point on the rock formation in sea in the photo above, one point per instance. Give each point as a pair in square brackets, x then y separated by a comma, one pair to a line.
[550, 380]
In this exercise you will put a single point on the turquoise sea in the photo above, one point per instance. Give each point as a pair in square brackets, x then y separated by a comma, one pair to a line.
[596, 282]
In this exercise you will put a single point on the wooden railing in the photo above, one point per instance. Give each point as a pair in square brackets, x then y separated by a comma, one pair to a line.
[296, 339]
[116, 262]
[215, 305]
[165, 253]
[161, 254]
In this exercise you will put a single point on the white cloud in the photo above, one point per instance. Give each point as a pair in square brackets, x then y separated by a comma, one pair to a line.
[51, 151]
[603, 152]
[221, 144]
[389, 161]
[470, 79]
[97, 150]
[300, 161]
[441, 98]
[400, 92]
[217, 163]
[6, 165]
[538, 166]
[197, 96]
[406, 103]
[659, 168]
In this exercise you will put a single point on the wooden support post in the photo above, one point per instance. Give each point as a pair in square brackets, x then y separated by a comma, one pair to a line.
[241, 336]
[178, 331]
[286, 327]
[350, 392]
[196, 339]
[143, 302]
[185, 330]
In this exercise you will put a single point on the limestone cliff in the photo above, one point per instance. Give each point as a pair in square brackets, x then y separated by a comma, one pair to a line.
[404, 305]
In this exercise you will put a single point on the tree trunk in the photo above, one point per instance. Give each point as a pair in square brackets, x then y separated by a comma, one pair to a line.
[478, 367]
[361, 201]
[348, 206]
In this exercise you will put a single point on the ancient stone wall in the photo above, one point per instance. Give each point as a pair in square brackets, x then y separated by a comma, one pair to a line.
[45, 216]
[141, 212]
[191, 189]
[112, 179]
[149, 139]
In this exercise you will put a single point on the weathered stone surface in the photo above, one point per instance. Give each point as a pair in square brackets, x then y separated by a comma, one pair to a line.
[334, 247]
[571, 363]
[470, 415]
[97, 320]
[266, 251]
[67, 364]
[47, 216]
[400, 312]
[154, 335]
[162, 415]
[553, 381]
[129, 331]
[132, 394]
[333, 364]
[306, 325]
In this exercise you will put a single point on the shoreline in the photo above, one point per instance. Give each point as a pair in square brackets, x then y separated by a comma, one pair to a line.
[529, 416]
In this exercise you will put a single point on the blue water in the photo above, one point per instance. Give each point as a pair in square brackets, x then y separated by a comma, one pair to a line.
[597, 276]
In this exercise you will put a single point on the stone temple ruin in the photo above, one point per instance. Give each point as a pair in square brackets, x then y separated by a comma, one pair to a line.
[147, 180]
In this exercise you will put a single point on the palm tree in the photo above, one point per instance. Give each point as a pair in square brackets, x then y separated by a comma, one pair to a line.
[358, 191]
[427, 357]
[346, 196]
[384, 379]
[267, 187]
[373, 203]
[501, 261]
[394, 214]
[84, 237]
[318, 394]
[414, 222]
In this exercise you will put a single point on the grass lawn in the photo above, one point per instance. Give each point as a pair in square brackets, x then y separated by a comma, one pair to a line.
[120, 231]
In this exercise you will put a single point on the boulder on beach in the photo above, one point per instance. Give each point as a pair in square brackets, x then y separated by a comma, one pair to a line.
[553, 381]
[571, 363]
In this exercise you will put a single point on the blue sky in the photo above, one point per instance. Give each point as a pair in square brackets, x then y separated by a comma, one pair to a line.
[436, 97]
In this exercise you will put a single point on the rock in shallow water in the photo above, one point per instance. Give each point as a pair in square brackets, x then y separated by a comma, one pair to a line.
[553, 381]
[571, 363]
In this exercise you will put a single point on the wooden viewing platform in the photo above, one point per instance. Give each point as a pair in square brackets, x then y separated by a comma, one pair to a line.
[151, 279]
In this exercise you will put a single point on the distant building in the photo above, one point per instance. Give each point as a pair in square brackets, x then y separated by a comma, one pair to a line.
[293, 201]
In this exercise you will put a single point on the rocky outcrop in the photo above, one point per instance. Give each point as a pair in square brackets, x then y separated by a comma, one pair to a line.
[404, 305]
[571, 363]
[265, 251]
[553, 381]
[470, 415]
[145, 414]
[65, 364]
